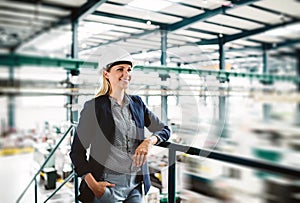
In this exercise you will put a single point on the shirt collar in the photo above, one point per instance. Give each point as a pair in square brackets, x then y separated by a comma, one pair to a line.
[115, 103]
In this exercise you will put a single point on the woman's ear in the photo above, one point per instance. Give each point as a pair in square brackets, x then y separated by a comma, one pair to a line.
[106, 74]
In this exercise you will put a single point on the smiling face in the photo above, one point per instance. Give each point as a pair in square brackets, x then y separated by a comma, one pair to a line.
[119, 76]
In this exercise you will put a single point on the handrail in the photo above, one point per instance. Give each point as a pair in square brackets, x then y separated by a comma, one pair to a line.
[173, 148]
[43, 165]
[65, 181]
[257, 164]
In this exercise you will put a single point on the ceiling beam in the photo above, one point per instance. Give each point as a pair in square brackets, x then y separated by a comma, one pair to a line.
[24, 11]
[229, 38]
[77, 14]
[207, 14]
[132, 36]
[274, 12]
[283, 44]
[17, 60]
[42, 3]
[121, 17]
[86, 9]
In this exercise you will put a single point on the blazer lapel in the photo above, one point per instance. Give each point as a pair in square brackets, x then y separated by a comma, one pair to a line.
[104, 118]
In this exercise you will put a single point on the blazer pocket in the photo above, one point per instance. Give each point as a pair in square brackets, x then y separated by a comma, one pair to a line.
[86, 194]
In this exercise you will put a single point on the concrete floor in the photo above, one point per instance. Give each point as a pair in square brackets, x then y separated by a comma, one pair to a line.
[16, 172]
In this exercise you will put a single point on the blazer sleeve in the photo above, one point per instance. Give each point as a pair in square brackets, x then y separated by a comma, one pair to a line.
[155, 125]
[82, 139]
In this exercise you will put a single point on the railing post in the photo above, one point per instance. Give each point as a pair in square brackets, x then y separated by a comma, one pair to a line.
[43, 165]
[35, 190]
[76, 187]
[172, 176]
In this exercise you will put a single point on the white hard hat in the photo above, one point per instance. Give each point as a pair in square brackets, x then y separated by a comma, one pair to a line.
[113, 55]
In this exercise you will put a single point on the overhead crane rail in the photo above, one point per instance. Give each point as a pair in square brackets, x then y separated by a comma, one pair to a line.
[16, 60]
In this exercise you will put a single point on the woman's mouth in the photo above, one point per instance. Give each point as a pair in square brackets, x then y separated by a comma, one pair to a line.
[124, 80]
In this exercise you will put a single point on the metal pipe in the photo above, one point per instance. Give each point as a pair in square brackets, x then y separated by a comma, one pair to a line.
[63, 183]
[252, 163]
[45, 162]
[172, 176]
[76, 187]
[35, 190]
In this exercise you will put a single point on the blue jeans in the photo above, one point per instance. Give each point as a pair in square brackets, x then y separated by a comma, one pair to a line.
[126, 190]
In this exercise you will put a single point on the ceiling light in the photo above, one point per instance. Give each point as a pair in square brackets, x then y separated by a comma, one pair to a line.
[95, 28]
[56, 41]
[153, 5]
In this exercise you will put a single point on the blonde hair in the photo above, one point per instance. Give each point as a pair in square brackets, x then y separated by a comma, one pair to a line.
[105, 88]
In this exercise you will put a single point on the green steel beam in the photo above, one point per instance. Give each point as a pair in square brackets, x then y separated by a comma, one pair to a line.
[268, 46]
[282, 44]
[245, 18]
[11, 101]
[74, 53]
[121, 17]
[274, 12]
[298, 73]
[132, 36]
[207, 14]
[163, 58]
[43, 3]
[201, 17]
[86, 9]
[161, 12]
[221, 53]
[74, 46]
[163, 62]
[219, 74]
[21, 60]
[229, 38]
[202, 31]
[297, 113]
[236, 26]
[77, 14]
[75, 64]
[265, 60]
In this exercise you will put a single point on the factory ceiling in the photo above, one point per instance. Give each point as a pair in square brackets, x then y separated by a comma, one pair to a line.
[194, 28]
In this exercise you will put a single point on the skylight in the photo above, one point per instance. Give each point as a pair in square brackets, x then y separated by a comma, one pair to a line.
[153, 5]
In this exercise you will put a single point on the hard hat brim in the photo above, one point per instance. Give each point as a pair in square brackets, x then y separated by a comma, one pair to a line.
[108, 66]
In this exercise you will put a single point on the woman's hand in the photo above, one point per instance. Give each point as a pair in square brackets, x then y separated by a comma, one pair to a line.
[98, 188]
[141, 152]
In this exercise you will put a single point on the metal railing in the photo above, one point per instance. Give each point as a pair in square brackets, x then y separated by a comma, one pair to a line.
[173, 148]
[34, 179]
[247, 162]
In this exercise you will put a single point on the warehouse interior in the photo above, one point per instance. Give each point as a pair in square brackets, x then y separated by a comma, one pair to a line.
[224, 75]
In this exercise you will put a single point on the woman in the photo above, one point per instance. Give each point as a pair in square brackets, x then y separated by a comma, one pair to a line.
[111, 126]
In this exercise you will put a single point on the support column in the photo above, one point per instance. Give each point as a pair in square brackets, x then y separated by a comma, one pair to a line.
[265, 59]
[221, 52]
[147, 95]
[163, 57]
[163, 61]
[297, 116]
[222, 98]
[74, 54]
[69, 101]
[267, 108]
[11, 101]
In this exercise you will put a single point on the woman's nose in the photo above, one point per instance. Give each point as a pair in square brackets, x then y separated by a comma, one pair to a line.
[126, 72]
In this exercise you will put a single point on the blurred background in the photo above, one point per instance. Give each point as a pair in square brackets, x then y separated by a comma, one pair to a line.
[224, 75]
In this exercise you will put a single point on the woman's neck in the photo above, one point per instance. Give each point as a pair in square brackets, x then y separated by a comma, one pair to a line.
[118, 95]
